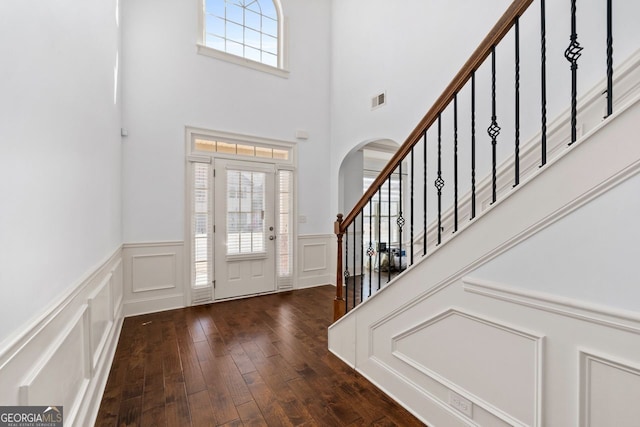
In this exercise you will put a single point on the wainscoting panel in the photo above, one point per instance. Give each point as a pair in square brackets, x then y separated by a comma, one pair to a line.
[63, 357]
[63, 372]
[153, 277]
[153, 272]
[314, 257]
[316, 260]
[610, 390]
[465, 362]
[100, 318]
[117, 289]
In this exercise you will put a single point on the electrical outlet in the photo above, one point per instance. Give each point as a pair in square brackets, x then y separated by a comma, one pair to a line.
[461, 404]
[302, 219]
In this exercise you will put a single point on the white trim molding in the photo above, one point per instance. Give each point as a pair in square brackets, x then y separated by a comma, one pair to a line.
[609, 390]
[491, 355]
[593, 313]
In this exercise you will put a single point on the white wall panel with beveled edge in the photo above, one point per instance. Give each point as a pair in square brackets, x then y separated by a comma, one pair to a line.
[316, 260]
[610, 390]
[477, 357]
[154, 277]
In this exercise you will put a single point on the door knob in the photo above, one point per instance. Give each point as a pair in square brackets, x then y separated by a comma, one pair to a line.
[272, 237]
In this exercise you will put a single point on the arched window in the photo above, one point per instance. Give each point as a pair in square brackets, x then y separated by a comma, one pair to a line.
[249, 29]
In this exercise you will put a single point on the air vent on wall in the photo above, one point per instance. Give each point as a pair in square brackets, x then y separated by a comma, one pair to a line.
[378, 100]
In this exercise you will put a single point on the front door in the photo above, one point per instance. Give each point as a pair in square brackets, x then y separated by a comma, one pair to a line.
[244, 221]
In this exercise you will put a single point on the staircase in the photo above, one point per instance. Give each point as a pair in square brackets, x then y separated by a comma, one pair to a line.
[520, 304]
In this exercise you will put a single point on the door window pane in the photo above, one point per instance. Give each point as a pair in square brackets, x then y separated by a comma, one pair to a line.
[245, 212]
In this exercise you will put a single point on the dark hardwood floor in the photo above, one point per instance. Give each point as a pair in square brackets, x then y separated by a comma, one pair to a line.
[256, 361]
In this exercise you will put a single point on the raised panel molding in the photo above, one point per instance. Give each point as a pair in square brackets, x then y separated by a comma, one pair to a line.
[478, 357]
[154, 277]
[314, 256]
[117, 289]
[63, 371]
[100, 318]
[609, 392]
[153, 272]
[316, 264]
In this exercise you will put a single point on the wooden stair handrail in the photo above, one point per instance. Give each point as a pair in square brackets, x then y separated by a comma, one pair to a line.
[497, 33]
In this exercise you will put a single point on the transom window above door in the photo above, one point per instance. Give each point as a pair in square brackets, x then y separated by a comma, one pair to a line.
[249, 29]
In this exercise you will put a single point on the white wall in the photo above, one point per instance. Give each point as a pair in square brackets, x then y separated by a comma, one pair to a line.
[587, 255]
[60, 156]
[351, 174]
[169, 86]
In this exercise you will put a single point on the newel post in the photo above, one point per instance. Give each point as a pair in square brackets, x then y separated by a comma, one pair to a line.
[339, 307]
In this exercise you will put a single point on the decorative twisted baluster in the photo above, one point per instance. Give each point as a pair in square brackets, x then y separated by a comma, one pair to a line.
[439, 182]
[493, 130]
[370, 250]
[572, 54]
[379, 212]
[400, 221]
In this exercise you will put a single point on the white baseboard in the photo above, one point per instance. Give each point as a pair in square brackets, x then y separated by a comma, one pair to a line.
[313, 281]
[64, 356]
[152, 305]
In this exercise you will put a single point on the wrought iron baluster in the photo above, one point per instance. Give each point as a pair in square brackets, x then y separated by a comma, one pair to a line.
[543, 83]
[379, 213]
[424, 196]
[389, 229]
[572, 54]
[473, 145]
[355, 272]
[609, 58]
[439, 182]
[346, 271]
[400, 221]
[370, 251]
[455, 163]
[412, 210]
[361, 252]
[494, 129]
[517, 112]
